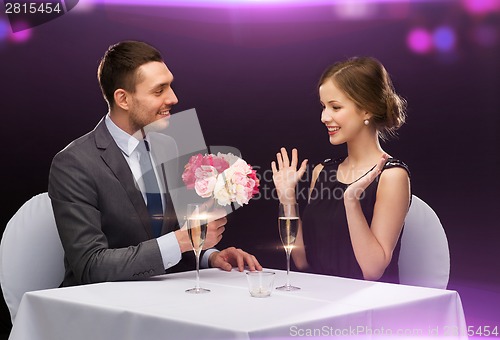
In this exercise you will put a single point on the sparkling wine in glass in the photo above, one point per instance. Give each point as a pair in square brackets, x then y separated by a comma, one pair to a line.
[288, 223]
[197, 220]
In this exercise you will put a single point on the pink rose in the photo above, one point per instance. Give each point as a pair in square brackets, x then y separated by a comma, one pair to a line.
[205, 187]
[206, 176]
[225, 177]
[188, 176]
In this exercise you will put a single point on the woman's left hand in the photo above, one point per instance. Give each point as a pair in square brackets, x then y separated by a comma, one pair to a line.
[355, 190]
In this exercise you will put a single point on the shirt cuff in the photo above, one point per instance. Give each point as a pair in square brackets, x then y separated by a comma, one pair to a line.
[169, 249]
[206, 256]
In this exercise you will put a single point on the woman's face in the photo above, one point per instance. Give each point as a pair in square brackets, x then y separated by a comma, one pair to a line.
[343, 119]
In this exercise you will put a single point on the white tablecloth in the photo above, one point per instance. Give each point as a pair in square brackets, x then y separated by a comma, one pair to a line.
[160, 309]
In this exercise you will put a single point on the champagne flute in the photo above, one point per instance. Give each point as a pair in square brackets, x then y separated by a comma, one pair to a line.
[197, 220]
[288, 222]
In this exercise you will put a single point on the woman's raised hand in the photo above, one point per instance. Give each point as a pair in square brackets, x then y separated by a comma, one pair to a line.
[286, 176]
[356, 189]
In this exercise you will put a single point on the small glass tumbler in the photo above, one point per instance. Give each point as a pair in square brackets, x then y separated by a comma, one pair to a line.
[260, 283]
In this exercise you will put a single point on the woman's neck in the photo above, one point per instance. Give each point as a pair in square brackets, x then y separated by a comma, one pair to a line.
[362, 152]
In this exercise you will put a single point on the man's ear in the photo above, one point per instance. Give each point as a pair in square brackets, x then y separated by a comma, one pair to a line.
[122, 98]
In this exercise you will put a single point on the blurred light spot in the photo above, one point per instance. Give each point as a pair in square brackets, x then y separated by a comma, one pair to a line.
[4, 29]
[218, 3]
[21, 36]
[419, 40]
[486, 35]
[444, 39]
[355, 10]
[84, 6]
[203, 3]
[481, 6]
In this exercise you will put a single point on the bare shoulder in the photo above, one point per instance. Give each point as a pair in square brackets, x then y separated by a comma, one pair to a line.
[394, 175]
[394, 185]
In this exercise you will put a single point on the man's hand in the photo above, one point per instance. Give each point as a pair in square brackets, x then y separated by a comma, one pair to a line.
[215, 229]
[232, 257]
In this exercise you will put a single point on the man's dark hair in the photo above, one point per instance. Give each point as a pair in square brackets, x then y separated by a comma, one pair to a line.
[118, 67]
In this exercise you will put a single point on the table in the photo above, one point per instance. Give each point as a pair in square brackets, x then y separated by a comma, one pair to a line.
[159, 308]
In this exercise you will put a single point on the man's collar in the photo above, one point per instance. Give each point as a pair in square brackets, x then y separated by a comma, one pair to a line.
[125, 142]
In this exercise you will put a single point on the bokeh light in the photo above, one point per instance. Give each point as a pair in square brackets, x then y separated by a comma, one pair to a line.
[355, 10]
[419, 40]
[444, 39]
[360, 4]
[84, 6]
[481, 6]
[21, 36]
[209, 3]
[4, 30]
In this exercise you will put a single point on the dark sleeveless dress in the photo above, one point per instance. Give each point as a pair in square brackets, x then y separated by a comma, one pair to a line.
[324, 225]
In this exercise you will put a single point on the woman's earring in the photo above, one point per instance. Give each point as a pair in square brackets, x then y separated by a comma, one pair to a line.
[366, 121]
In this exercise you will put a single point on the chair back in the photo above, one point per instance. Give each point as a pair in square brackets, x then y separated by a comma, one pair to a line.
[31, 253]
[424, 258]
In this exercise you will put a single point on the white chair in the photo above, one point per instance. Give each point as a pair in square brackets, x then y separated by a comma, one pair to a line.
[424, 258]
[31, 254]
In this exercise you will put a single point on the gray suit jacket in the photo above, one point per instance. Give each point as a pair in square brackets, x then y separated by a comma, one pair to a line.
[101, 216]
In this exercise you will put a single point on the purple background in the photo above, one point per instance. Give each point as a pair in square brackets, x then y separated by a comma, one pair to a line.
[251, 74]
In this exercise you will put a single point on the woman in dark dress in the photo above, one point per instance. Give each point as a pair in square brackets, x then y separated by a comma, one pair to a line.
[357, 204]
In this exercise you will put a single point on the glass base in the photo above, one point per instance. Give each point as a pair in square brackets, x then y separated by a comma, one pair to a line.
[198, 290]
[288, 288]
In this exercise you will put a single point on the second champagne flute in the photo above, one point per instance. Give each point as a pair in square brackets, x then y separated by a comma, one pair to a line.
[288, 223]
[197, 220]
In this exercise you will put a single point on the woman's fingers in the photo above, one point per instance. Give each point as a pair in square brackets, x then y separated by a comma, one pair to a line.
[280, 161]
[302, 168]
[273, 168]
[284, 154]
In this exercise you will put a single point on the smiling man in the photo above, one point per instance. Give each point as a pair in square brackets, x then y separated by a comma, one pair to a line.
[111, 224]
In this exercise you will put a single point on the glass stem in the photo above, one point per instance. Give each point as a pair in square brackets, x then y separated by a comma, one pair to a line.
[288, 251]
[197, 254]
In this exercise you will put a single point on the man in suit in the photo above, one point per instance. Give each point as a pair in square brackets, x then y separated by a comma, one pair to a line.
[100, 206]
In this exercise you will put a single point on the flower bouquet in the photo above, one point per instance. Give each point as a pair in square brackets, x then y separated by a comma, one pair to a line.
[223, 177]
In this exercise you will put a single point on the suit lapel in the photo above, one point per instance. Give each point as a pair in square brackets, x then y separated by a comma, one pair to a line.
[114, 159]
